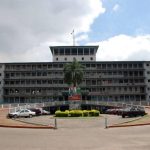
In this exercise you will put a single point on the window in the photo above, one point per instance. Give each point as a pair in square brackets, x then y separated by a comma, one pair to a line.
[55, 51]
[86, 51]
[44, 74]
[74, 51]
[82, 58]
[80, 51]
[38, 81]
[108, 65]
[61, 52]
[103, 66]
[148, 80]
[12, 74]
[130, 65]
[130, 88]
[38, 73]
[125, 65]
[44, 82]
[91, 51]
[147, 64]
[148, 72]
[135, 65]
[67, 51]
[91, 58]
[65, 58]
[49, 66]
[140, 65]
[27, 90]
[119, 65]
[22, 111]
[125, 88]
[114, 66]
[114, 88]
[57, 58]
[0, 74]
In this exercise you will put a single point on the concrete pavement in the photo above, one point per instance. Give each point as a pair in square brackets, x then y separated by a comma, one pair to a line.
[92, 138]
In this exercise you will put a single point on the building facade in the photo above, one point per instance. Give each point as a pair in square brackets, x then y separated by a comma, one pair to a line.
[44, 81]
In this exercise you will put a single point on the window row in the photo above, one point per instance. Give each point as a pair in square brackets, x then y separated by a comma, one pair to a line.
[33, 67]
[113, 81]
[32, 74]
[73, 51]
[87, 65]
[113, 73]
[22, 82]
[65, 59]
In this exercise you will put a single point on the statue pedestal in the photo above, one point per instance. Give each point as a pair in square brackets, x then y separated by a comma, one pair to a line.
[74, 104]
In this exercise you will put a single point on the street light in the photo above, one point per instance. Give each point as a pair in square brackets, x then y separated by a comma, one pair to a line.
[35, 92]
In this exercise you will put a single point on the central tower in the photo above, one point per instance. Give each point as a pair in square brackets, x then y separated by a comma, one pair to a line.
[69, 53]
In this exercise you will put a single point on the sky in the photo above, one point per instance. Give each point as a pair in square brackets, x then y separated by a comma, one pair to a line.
[121, 28]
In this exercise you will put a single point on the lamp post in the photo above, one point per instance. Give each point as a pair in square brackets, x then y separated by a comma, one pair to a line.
[16, 92]
[35, 92]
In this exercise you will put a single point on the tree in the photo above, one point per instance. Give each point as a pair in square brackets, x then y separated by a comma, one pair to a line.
[73, 73]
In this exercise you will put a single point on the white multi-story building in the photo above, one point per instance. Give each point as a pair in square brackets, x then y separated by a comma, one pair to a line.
[1, 82]
[103, 80]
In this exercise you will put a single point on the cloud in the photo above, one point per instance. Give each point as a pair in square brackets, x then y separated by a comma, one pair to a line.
[124, 47]
[116, 7]
[28, 27]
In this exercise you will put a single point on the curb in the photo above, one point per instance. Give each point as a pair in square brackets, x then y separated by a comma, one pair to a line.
[132, 125]
[27, 127]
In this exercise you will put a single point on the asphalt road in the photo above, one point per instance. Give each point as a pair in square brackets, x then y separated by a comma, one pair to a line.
[93, 136]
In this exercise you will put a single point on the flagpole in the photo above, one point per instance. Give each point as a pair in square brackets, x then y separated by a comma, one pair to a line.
[73, 37]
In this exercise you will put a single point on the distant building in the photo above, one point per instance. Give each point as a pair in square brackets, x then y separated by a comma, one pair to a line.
[43, 81]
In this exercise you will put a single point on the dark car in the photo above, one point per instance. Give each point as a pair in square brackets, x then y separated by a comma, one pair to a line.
[37, 111]
[114, 111]
[133, 112]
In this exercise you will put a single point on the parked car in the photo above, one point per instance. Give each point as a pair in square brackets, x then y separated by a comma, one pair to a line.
[37, 111]
[44, 112]
[119, 111]
[133, 112]
[21, 113]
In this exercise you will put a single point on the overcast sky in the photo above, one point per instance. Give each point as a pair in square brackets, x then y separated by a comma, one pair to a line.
[121, 28]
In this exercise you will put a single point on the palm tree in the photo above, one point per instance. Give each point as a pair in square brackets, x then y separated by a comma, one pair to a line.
[73, 73]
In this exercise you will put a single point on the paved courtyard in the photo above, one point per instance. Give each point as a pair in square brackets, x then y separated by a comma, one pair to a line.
[76, 134]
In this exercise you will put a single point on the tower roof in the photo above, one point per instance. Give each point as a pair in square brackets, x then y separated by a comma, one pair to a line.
[53, 48]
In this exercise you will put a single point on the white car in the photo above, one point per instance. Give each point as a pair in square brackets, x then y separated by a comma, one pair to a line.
[44, 112]
[21, 113]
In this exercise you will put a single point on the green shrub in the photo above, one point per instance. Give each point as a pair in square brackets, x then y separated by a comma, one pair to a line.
[71, 113]
[76, 113]
[61, 113]
[85, 113]
[67, 111]
[94, 113]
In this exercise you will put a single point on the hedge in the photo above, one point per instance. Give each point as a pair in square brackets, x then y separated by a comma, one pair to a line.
[77, 113]
[59, 113]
